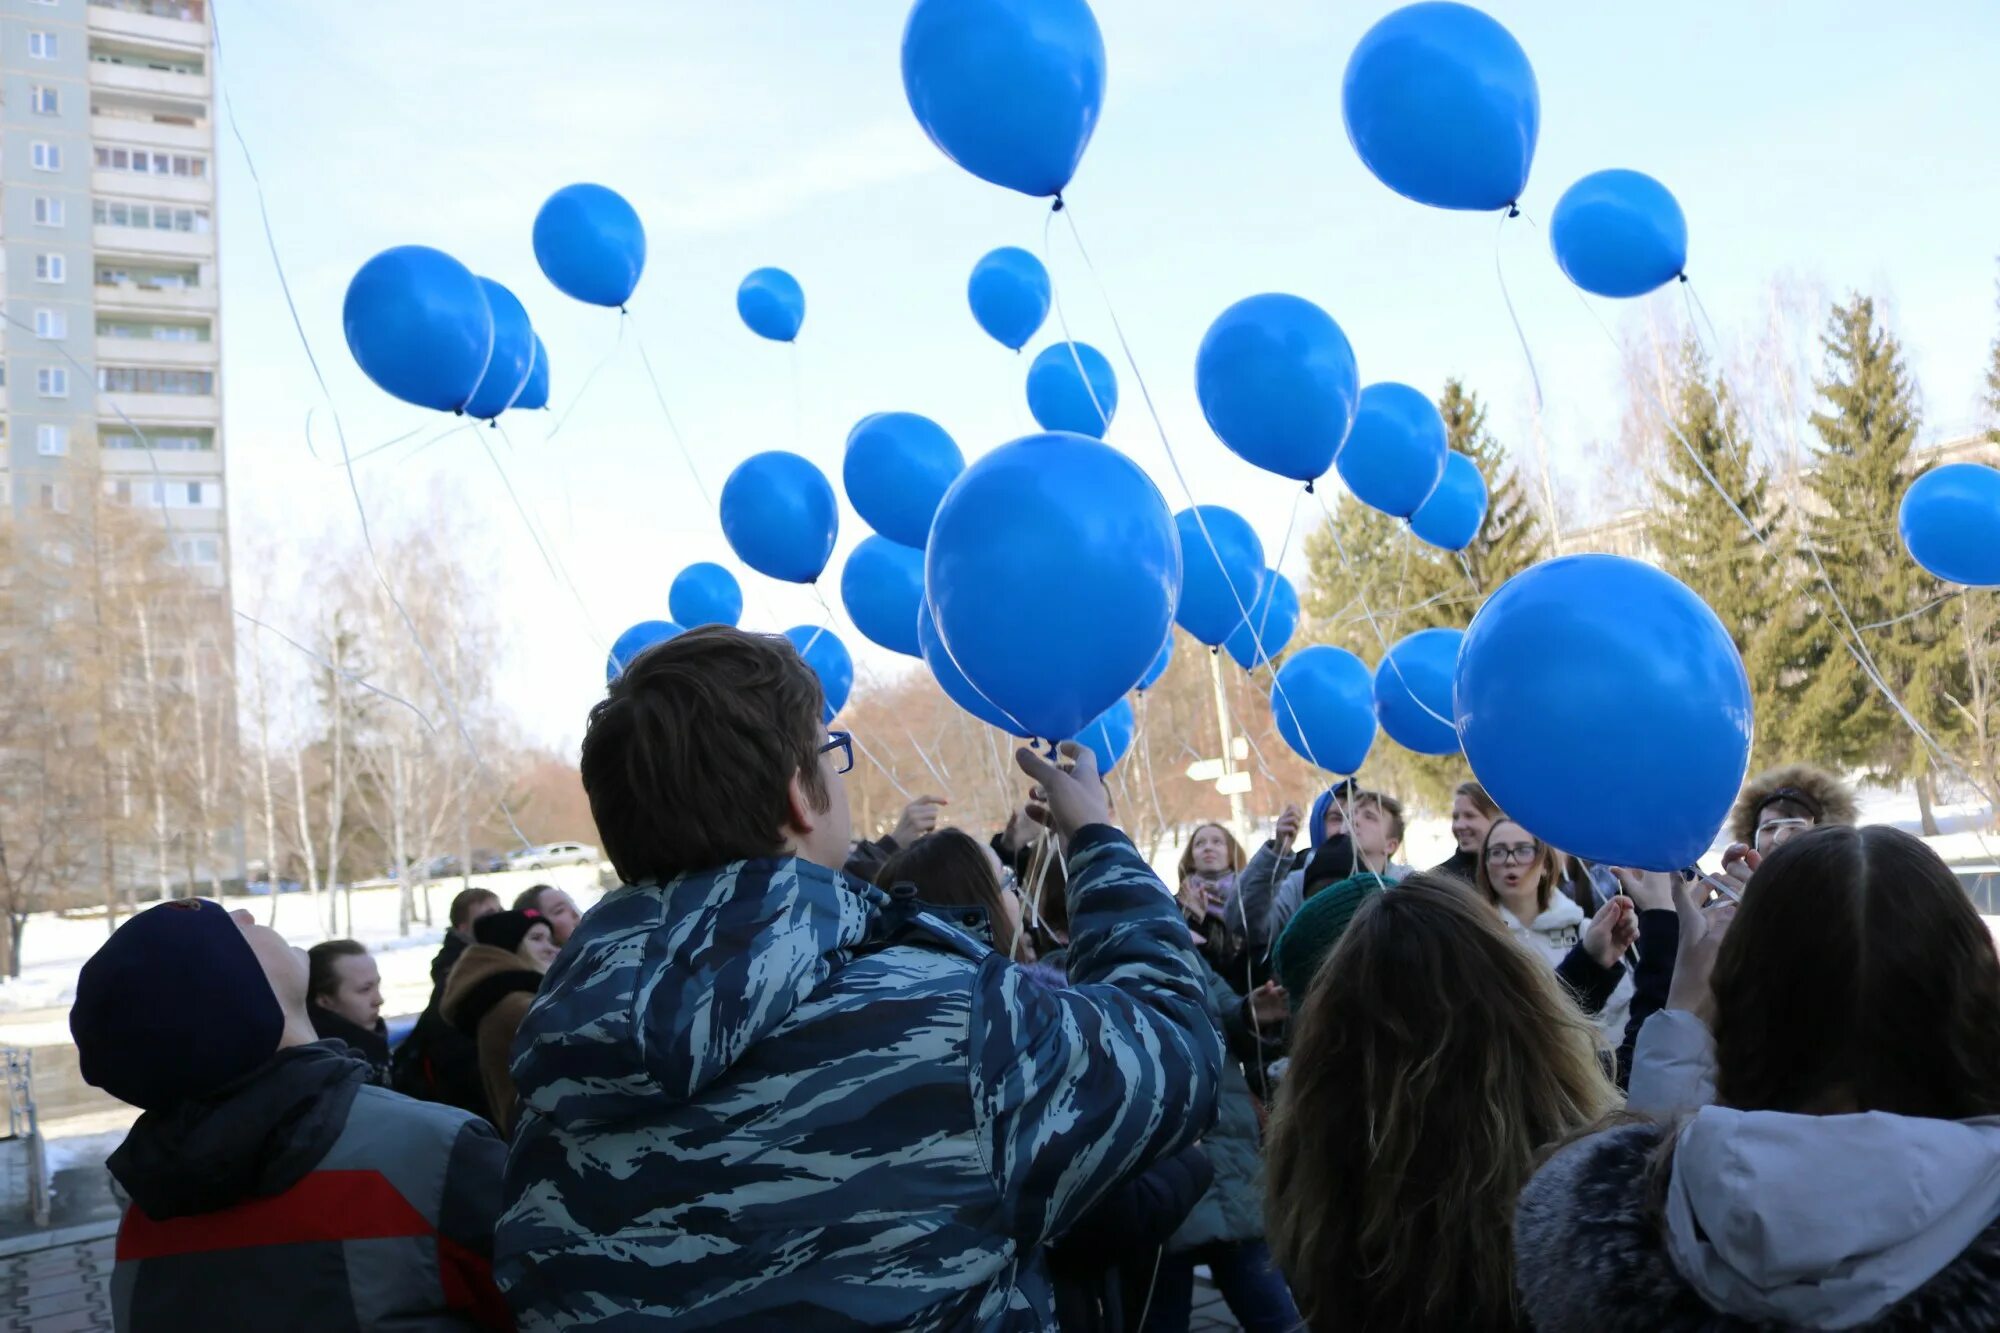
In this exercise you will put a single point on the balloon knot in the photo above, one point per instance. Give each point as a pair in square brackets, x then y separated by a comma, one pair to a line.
[1512, 211]
[1057, 207]
[1309, 488]
[623, 311]
[1215, 651]
[1681, 277]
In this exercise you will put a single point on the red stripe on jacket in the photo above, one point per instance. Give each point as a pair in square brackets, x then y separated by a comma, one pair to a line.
[325, 1206]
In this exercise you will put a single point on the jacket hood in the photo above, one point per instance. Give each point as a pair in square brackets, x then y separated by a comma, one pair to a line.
[1825, 1221]
[253, 1138]
[665, 986]
[1562, 914]
[1823, 789]
[481, 976]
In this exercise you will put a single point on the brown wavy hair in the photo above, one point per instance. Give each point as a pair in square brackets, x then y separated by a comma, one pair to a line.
[1432, 1059]
[1547, 857]
[1236, 857]
[950, 869]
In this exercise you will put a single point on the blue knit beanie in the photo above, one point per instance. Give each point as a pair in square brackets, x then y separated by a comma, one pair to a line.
[1345, 789]
[173, 1006]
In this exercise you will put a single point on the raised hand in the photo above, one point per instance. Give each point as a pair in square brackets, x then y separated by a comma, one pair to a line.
[1612, 931]
[1649, 890]
[1067, 797]
[919, 817]
[1702, 931]
[1287, 831]
[1269, 1005]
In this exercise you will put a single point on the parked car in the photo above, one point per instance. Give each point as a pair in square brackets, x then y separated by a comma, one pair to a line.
[487, 863]
[443, 867]
[554, 854]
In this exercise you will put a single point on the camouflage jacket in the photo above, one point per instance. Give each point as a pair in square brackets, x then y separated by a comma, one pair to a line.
[742, 1106]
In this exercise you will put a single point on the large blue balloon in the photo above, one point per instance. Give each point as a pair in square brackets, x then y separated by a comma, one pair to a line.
[1277, 383]
[897, 468]
[827, 656]
[1413, 691]
[1109, 734]
[705, 594]
[772, 303]
[1324, 705]
[1009, 292]
[1950, 521]
[1440, 102]
[882, 586]
[1619, 233]
[1160, 664]
[780, 517]
[590, 243]
[418, 325]
[953, 682]
[1061, 399]
[1065, 539]
[634, 641]
[1450, 517]
[1009, 89]
[1597, 664]
[1394, 457]
[1225, 571]
[535, 393]
[513, 357]
[1273, 618]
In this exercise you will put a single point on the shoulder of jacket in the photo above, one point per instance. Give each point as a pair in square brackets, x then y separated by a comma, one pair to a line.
[408, 1117]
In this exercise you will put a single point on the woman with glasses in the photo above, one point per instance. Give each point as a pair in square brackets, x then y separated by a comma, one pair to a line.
[1522, 877]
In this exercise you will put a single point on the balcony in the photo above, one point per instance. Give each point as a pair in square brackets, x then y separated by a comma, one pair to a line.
[154, 300]
[181, 26]
[158, 352]
[144, 133]
[153, 242]
[163, 462]
[142, 81]
[160, 189]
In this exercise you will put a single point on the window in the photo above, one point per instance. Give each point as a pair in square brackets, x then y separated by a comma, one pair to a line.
[50, 268]
[42, 46]
[55, 497]
[201, 550]
[51, 324]
[48, 211]
[45, 155]
[51, 441]
[166, 494]
[52, 382]
[45, 101]
[58, 553]
[139, 160]
[157, 217]
[187, 442]
[142, 379]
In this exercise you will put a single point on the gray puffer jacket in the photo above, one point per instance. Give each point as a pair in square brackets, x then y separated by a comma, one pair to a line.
[1233, 1207]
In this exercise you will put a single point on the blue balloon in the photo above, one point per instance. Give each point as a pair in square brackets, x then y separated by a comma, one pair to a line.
[953, 682]
[1160, 664]
[780, 517]
[536, 392]
[1069, 537]
[705, 594]
[590, 243]
[772, 303]
[1440, 102]
[897, 468]
[1324, 705]
[1277, 383]
[1009, 292]
[882, 586]
[1109, 735]
[1273, 618]
[1619, 233]
[1009, 89]
[1950, 521]
[418, 325]
[1413, 691]
[1394, 458]
[1451, 516]
[1600, 665]
[1061, 399]
[634, 641]
[1225, 571]
[827, 656]
[513, 355]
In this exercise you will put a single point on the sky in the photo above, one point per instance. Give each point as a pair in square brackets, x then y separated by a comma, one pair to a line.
[1844, 145]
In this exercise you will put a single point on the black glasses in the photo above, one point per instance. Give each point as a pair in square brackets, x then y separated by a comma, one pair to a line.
[844, 742]
[1520, 854]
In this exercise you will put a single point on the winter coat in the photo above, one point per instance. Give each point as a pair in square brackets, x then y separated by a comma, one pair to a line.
[370, 1044]
[759, 1096]
[1462, 866]
[1233, 1207]
[1103, 1268]
[446, 957]
[300, 1197]
[485, 998]
[1554, 935]
[437, 1062]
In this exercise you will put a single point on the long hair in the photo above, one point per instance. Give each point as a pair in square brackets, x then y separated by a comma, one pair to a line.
[950, 869]
[1547, 862]
[1432, 1058]
[1236, 857]
[1476, 794]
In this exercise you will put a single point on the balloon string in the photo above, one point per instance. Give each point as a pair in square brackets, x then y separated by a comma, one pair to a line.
[1534, 376]
[583, 389]
[1347, 563]
[882, 768]
[659, 396]
[557, 570]
[372, 450]
[1145, 740]
[348, 676]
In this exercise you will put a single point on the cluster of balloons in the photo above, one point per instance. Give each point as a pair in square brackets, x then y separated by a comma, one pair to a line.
[702, 594]
[427, 330]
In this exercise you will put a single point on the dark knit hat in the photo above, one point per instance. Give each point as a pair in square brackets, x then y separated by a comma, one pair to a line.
[1315, 928]
[173, 1006]
[506, 930]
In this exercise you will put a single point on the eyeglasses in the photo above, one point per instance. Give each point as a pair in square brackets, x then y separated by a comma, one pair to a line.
[1519, 854]
[1772, 828]
[842, 741]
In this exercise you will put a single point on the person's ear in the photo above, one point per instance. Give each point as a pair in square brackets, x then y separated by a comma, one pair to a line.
[800, 816]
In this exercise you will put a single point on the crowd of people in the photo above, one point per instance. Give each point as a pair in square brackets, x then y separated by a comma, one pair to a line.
[785, 1077]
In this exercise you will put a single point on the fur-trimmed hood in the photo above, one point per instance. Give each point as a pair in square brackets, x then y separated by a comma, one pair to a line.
[1829, 793]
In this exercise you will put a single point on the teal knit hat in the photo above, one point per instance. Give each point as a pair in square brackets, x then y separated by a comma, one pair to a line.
[1318, 926]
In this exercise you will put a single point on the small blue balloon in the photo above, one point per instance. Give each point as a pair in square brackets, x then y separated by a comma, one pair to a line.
[1441, 104]
[1273, 618]
[1009, 89]
[1109, 735]
[1394, 457]
[634, 641]
[513, 355]
[1277, 383]
[1619, 233]
[1600, 664]
[780, 516]
[1413, 691]
[1950, 521]
[1450, 517]
[536, 393]
[772, 303]
[827, 656]
[1160, 664]
[1324, 705]
[1009, 292]
[590, 243]
[1070, 537]
[898, 466]
[882, 586]
[705, 594]
[1061, 399]
[418, 325]
[1224, 561]
[953, 682]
